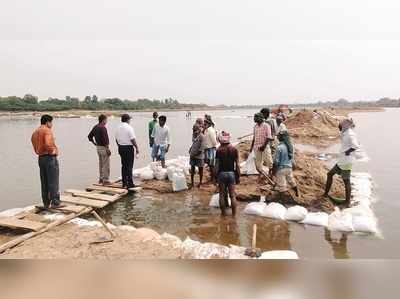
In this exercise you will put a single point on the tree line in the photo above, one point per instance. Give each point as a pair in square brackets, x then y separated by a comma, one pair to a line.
[30, 102]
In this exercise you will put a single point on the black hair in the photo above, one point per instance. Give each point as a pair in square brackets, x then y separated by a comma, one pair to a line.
[125, 118]
[265, 111]
[155, 114]
[102, 117]
[45, 119]
[162, 118]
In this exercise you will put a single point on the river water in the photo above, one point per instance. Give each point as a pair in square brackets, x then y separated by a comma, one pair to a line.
[189, 214]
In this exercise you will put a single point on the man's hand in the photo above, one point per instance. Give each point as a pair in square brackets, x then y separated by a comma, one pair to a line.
[167, 149]
[108, 152]
[262, 148]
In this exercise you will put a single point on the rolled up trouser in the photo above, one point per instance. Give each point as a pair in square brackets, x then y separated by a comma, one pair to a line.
[284, 177]
[104, 163]
[49, 179]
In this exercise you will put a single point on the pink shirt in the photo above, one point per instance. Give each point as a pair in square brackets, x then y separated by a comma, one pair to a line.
[262, 132]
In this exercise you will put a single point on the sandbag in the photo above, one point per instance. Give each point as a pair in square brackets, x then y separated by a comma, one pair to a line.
[195, 250]
[279, 255]
[249, 167]
[342, 222]
[214, 202]
[296, 213]
[364, 224]
[147, 175]
[179, 182]
[255, 208]
[274, 210]
[318, 218]
[170, 172]
[359, 210]
[161, 174]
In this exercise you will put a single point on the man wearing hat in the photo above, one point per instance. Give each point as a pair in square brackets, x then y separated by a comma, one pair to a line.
[126, 140]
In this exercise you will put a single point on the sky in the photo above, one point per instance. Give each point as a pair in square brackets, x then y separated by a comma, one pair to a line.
[213, 52]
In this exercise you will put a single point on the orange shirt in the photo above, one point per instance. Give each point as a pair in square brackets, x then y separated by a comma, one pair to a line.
[43, 141]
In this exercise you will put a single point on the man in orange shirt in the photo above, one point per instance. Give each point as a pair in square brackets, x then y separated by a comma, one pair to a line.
[45, 147]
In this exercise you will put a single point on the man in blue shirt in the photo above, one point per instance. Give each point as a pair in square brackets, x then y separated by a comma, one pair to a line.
[283, 165]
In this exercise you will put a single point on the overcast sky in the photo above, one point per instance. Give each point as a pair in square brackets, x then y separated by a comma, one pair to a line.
[215, 52]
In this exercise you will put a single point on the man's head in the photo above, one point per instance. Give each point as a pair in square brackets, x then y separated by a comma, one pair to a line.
[279, 120]
[162, 120]
[46, 120]
[155, 115]
[224, 138]
[196, 130]
[126, 118]
[265, 112]
[102, 119]
[282, 136]
[200, 122]
[346, 124]
[258, 118]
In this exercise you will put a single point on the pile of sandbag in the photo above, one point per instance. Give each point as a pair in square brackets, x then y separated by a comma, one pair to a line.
[214, 202]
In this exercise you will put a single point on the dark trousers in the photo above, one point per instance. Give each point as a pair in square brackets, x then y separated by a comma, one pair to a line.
[49, 179]
[127, 154]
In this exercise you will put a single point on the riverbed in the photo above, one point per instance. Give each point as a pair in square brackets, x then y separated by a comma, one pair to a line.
[189, 214]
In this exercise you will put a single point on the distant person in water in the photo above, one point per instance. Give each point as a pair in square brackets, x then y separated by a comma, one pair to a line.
[126, 141]
[210, 146]
[152, 124]
[196, 153]
[162, 140]
[228, 172]
[283, 165]
[45, 147]
[344, 164]
[99, 137]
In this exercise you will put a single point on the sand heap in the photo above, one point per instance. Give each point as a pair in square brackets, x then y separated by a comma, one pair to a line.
[318, 127]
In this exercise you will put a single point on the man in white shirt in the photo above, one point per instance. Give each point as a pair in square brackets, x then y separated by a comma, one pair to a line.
[162, 140]
[126, 140]
[210, 146]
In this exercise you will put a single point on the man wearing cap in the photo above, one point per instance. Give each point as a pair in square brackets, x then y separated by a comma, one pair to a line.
[260, 144]
[126, 140]
[228, 172]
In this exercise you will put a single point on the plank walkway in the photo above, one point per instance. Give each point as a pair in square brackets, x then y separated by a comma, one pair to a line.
[78, 202]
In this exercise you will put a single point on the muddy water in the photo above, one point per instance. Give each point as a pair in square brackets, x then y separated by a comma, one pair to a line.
[189, 214]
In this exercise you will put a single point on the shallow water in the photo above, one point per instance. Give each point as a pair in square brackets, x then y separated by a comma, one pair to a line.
[189, 214]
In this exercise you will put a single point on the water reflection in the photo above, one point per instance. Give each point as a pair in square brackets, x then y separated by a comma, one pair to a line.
[339, 246]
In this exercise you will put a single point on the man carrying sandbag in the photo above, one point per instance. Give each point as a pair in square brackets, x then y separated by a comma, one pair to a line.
[345, 161]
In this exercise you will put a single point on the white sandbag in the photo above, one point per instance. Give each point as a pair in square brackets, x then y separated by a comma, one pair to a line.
[249, 166]
[342, 222]
[296, 213]
[161, 174]
[255, 208]
[214, 202]
[195, 250]
[154, 165]
[147, 175]
[170, 172]
[279, 255]
[275, 210]
[179, 182]
[138, 172]
[359, 210]
[318, 218]
[364, 224]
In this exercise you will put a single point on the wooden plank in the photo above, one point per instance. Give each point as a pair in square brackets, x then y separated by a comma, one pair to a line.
[107, 189]
[27, 236]
[68, 209]
[98, 204]
[112, 185]
[135, 189]
[12, 222]
[91, 195]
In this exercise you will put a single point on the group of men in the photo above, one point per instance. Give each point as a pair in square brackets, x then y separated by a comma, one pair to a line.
[271, 144]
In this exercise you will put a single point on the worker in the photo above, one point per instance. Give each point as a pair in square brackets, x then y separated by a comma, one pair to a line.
[283, 165]
[228, 172]
[162, 140]
[44, 146]
[196, 153]
[126, 141]
[261, 138]
[210, 146]
[99, 137]
[343, 167]
[152, 124]
[270, 149]
[281, 125]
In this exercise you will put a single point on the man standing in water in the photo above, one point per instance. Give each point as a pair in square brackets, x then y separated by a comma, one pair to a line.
[99, 137]
[45, 147]
[196, 153]
[210, 146]
[162, 140]
[126, 140]
[344, 164]
[152, 124]
[228, 172]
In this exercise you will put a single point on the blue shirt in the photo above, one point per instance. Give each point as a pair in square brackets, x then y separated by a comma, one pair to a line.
[282, 157]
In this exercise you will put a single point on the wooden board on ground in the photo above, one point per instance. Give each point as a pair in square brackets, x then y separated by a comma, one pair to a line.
[107, 189]
[91, 195]
[67, 209]
[98, 204]
[12, 222]
[135, 189]
[112, 185]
